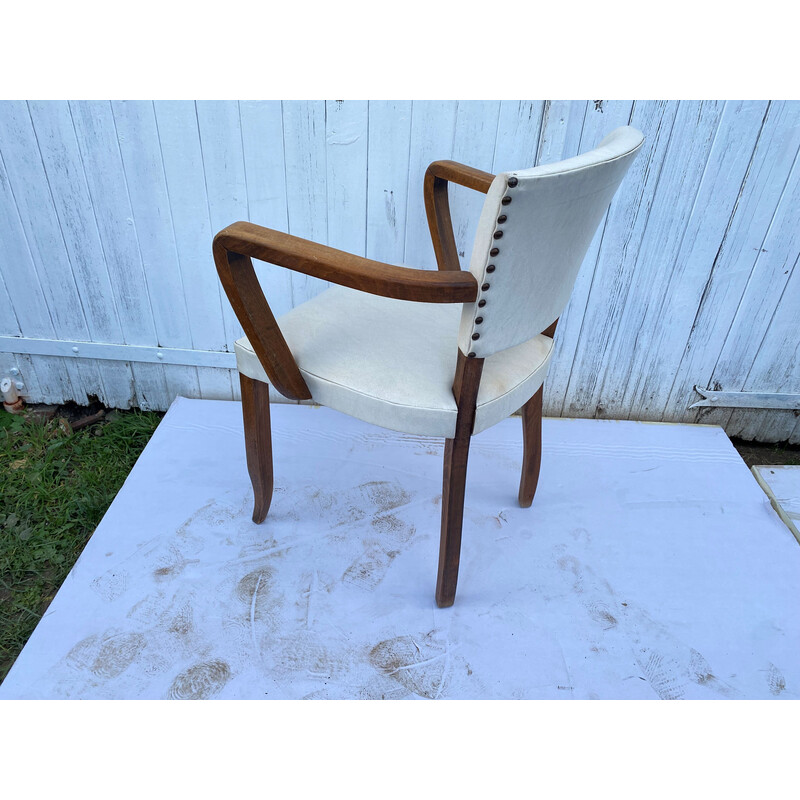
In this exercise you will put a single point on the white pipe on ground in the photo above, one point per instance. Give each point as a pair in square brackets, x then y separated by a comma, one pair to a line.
[11, 400]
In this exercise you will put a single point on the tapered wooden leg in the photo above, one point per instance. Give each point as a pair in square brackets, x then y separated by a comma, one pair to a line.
[456, 451]
[532, 448]
[258, 443]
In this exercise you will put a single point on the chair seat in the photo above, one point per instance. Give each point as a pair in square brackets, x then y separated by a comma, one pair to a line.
[392, 362]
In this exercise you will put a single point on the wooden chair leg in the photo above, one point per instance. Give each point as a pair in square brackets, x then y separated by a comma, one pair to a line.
[532, 448]
[456, 452]
[258, 443]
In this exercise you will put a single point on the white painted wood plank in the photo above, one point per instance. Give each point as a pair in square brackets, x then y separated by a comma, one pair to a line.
[140, 151]
[769, 310]
[473, 145]
[616, 262]
[387, 179]
[66, 175]
[305, 152]
[598, 122]
[346, 143]
[681, 253]
[102, 164]
[42, 230]
[738, 251]
[265, 175]
[185, 179]
[519, 130]
[226, 187]
[432, 130]
[561, 129]
[22, 298]
[776, 366]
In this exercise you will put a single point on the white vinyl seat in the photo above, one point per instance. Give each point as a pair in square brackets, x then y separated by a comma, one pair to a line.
[392, 363]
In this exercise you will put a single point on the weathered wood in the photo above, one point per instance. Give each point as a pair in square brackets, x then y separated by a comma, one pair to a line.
[456, 453]
[258, 443]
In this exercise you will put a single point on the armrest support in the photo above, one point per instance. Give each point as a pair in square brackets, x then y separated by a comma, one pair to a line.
[233, 248]
[437, 205]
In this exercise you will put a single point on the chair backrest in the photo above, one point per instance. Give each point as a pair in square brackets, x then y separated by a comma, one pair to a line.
[533, 234]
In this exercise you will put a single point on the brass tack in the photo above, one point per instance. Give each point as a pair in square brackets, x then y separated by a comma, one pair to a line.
[498, 234]
[506, 200]
[512, 182]
[485, 287]
[470, 355]
[494, 251]
[478, 320]
[490, 268]
[501, 219]
[481, 303]
[475, 337]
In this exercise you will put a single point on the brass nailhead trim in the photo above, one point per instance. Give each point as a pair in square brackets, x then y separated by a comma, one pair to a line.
[490, 268]
[475, 337]
[506, 200]
[501, 219]
[512, 182]
[481, 303]
[498, 234]
[470, 355]
[478, 320]
[494, 251]
[485, 287]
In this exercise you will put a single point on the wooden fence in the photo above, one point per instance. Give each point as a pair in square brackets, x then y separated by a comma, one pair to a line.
[107, 211]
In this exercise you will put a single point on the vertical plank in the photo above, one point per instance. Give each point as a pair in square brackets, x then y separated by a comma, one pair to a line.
[761, 350]
[598, 122]
[304, 149]
[140, 151]
[616, 261]
[185, 180]
[680, 254]
[108, 196]
[722, 299]
[43, 236]
[265, 175]
[519, 130]
[561, 129]
[387, 179]
[226, 187]
[432, 130]
[473, 144]
[346, 135]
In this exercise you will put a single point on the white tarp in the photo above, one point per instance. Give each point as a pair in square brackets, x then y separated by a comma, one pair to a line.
[651, 564]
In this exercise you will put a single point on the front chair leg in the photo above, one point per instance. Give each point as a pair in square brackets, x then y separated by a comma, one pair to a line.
[456, 452]
[532, 448]
[258, 443]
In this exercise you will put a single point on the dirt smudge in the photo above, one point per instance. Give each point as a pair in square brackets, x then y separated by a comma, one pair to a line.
[200, 681]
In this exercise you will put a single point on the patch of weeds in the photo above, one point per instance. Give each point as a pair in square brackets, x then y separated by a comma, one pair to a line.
[55, 486]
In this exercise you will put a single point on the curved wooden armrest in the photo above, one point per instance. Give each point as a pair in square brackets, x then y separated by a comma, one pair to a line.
[437, 205]
[235, 245]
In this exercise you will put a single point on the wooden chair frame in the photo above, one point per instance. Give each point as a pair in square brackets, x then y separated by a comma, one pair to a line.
[233, 249]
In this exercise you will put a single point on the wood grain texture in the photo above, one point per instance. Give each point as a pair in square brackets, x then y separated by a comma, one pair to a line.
[108, 241]
[258, 444]
[456, 454]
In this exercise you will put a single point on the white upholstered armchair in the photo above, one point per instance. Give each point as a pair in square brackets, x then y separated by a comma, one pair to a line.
[437, 353]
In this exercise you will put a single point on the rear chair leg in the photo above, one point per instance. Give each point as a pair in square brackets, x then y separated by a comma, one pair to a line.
[532, 448]
[258, 443]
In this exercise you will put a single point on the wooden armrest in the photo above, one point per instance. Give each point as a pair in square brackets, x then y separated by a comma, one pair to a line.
[437, 205]
[235, 245]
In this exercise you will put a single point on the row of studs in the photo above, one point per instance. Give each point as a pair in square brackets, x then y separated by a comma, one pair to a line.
[498, 234]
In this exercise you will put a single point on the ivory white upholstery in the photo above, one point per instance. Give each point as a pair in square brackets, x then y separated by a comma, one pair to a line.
[392, 362]
[553, 214]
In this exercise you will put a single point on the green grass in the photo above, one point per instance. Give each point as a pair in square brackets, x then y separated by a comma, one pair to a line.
[55, 486]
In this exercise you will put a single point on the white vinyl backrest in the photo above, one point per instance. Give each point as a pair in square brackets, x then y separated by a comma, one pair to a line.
[533, 234]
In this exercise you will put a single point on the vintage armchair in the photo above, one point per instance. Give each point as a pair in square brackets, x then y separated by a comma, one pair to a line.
[437, 353]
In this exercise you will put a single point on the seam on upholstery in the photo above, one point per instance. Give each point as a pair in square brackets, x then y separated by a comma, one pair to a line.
[517, 385]
[575, 169]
